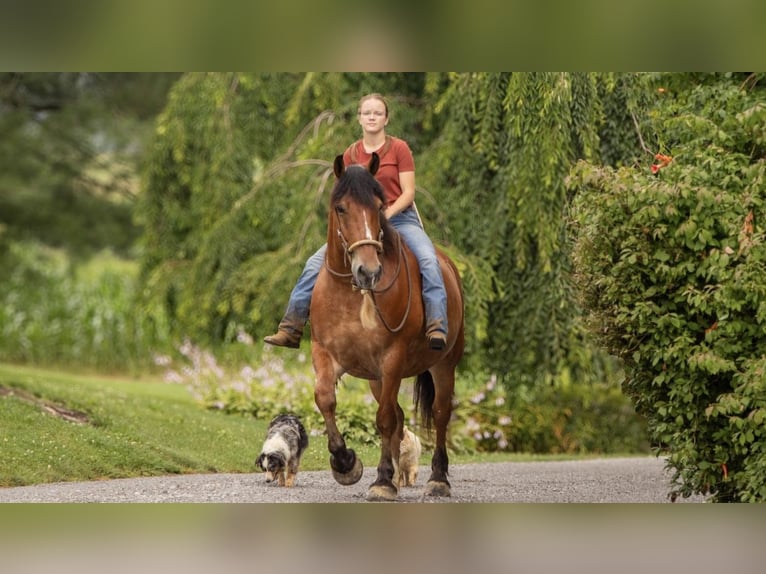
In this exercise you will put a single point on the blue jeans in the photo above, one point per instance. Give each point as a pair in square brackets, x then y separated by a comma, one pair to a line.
[408, 225]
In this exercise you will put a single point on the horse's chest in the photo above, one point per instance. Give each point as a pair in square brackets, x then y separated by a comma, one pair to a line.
[354, 345]
[358, 350]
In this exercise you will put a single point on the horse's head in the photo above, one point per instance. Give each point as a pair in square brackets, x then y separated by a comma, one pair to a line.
[362, 230]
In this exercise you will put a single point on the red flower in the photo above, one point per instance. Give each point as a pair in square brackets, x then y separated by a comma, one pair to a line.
[663, 161]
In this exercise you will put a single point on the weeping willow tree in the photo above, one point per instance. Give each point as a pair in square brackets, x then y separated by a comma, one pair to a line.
[234, 195]
[234, 200]
[500, 167]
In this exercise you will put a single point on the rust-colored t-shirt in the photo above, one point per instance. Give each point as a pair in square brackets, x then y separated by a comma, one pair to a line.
[395, 157]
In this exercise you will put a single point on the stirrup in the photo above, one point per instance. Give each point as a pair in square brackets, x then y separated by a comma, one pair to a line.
[437, 340]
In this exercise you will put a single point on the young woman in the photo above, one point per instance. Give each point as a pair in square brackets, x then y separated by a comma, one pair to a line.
[397, 176]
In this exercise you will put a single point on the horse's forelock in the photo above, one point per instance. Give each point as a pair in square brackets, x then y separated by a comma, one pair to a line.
[358, 183]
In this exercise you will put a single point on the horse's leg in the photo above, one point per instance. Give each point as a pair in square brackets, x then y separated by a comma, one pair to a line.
[396, 445]
[389, 421]
[376, 386]
[444, 384]
[346, 467]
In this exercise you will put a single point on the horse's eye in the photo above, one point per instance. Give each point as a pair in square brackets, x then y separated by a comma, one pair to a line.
[340, 210]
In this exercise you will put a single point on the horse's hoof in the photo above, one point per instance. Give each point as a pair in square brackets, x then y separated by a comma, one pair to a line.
[350, 477]
[438, 488]
[382, 493]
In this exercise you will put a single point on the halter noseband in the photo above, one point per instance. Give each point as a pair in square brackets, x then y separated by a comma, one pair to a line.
[378, 244]
[349, 249]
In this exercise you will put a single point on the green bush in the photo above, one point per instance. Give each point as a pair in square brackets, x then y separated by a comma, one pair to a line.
[672, 267]
[55, 313]
[570, 419]
[546, 419]
[271, 388]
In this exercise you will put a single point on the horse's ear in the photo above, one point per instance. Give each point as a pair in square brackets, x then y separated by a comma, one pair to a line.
[338, 166]
[374, 163]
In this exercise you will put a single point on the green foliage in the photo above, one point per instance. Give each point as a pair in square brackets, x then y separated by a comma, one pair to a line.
[506, 147]
[570, 419]
[623, 98]
[78, 222]
[270, 389]
[57, 313]
[69, 154]
[671, 268]
[567, 419]
[235, 191]
[204, 156]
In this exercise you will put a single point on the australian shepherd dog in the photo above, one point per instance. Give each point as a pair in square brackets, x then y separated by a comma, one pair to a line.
[286, 439]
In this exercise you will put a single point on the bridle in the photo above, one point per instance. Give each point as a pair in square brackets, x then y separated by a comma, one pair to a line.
[348, 251]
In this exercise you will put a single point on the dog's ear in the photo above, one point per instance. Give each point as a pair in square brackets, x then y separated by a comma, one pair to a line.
[260, 460]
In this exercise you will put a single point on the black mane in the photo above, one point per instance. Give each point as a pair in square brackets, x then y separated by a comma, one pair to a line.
[360, 185]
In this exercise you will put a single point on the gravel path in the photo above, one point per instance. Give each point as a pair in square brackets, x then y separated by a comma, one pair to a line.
[616, 480]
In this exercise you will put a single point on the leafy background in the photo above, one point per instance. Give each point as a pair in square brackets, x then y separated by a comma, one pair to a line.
[141, 211]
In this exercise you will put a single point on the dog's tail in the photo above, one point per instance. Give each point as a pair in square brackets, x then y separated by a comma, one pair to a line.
[424, 394]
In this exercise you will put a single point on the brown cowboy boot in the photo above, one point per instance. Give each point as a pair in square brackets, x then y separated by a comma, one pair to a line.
[437, 338]
[286, 336]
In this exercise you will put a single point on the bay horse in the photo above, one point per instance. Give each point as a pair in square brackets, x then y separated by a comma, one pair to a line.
[368, 320]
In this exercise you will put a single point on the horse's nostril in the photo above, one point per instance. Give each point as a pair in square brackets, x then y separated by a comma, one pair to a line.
[365, 277]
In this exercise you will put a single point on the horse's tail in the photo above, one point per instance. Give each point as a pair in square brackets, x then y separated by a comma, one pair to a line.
[424, 394]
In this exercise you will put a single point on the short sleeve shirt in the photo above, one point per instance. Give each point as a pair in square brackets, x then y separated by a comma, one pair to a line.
[395, 157]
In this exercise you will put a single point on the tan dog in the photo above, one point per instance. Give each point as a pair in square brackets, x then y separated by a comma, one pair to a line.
[409, 459]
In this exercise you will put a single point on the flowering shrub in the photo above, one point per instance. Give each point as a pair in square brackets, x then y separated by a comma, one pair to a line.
[546, 419]
[269, 389]
[487, 418]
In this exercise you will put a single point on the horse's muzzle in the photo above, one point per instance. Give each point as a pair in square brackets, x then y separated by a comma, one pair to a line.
[366, 277]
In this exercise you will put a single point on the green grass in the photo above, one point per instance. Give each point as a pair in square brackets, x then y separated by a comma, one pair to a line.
[135, 428]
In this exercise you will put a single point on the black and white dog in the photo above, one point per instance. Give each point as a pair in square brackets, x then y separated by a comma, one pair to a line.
[286, 439]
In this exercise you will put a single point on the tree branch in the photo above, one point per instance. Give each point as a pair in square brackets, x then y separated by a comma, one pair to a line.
[638, 131]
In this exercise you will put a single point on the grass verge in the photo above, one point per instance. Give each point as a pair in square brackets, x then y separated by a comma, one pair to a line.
[57, 427]
[130, 428]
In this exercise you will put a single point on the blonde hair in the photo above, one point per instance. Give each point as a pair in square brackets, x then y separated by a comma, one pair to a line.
[373, 96]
